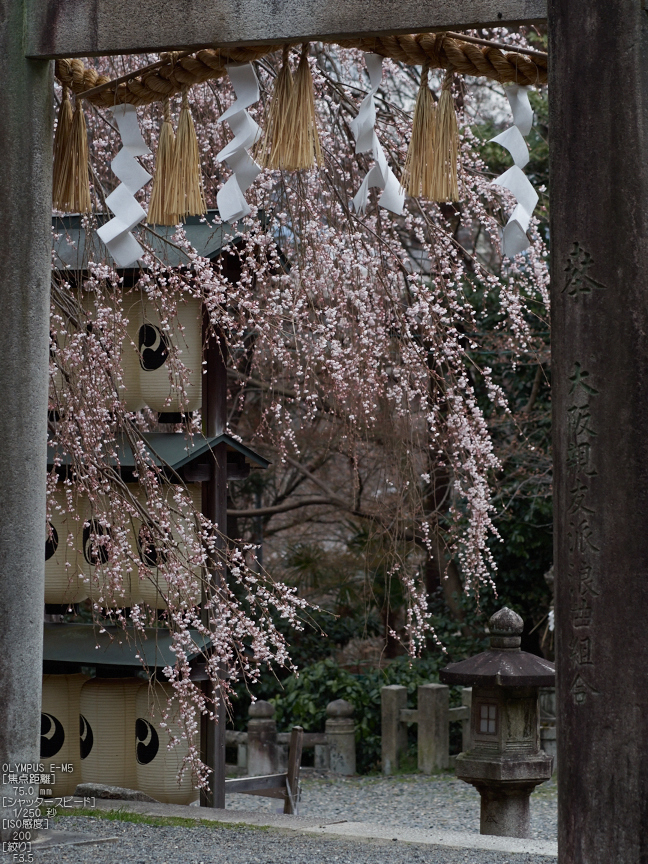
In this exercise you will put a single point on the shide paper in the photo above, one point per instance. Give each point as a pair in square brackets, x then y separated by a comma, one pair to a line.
[514, 238]
[230, 200]
[116, 234]
[362, 126]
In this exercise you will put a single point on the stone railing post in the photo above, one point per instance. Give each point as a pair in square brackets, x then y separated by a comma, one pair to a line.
[340, 731]
[393, 733]
[242, 756]
[238, 740]
[262, 755]
[466, 701]
[433, 727]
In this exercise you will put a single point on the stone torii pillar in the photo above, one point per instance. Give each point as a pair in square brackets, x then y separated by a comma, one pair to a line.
[25, 252]
[599, 256]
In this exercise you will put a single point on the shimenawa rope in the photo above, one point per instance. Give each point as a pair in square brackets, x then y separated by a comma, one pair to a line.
[439, 50]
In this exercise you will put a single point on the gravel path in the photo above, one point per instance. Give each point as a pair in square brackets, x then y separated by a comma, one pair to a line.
[145, 844]
[413, 801]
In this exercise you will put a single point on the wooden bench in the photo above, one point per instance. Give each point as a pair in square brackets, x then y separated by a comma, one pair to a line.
[284, 786]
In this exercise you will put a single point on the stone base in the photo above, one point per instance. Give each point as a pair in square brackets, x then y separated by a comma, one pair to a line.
[505, 808]
[505, 784]
[531, 768]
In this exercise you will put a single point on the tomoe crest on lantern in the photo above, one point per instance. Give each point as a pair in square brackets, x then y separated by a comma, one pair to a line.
[87, 738]
[51, 541]
[148, 551]
[52, 735]
[148, 742]
[93, 553]
[153, 347]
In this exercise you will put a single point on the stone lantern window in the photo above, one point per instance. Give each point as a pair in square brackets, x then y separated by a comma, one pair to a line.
[487, 716]
[505, 762]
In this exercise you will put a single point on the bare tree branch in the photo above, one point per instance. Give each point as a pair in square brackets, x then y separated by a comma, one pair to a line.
[537, 381]
[284, 508]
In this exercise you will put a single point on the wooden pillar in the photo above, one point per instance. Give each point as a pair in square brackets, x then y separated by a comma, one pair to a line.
[291, 799]
[393, 733]
[433, 728]
[599, 258]
[214, 501]
[25, 226]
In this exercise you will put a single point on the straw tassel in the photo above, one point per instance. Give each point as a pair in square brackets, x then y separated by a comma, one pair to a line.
[419, 163]
[304, 136]
[446, 139]
[187, 196]
[160, 209]
[275, 148]
[79, 151]
[70, 183]
[62, 161]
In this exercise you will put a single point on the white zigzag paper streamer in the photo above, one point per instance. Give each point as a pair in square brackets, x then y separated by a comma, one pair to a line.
[116, 234]
[514, 238]
[230, 200]
[362, 126]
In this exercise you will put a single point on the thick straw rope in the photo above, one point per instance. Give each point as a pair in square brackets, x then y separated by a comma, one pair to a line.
[439, 50]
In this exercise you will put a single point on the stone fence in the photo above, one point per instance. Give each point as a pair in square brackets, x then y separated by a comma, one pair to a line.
[263, 750]
[433, 717]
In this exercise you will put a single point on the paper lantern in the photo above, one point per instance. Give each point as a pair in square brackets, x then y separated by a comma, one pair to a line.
[158, 385]
[157, 767]
[107, 723]
[59, 743]
[132, 309]
[154, 588]
[64, 332]
[99, 589]
[64, 563]
[130, 358]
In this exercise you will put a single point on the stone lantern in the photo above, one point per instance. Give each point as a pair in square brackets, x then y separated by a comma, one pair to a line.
[505, 762]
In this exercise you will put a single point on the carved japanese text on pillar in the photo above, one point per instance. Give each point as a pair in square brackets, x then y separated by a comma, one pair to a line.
[584, 547]
[579, 281]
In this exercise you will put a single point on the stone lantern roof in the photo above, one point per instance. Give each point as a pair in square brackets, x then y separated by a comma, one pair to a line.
[504, 663]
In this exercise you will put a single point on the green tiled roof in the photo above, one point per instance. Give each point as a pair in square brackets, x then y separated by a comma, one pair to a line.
[172, 449]
[77, 643]
[74, 247]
